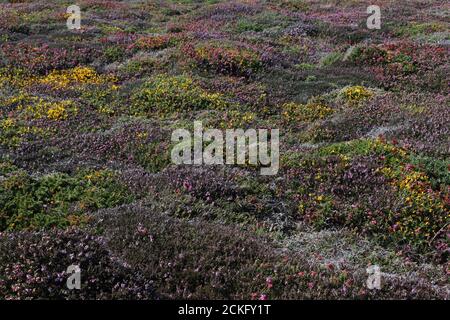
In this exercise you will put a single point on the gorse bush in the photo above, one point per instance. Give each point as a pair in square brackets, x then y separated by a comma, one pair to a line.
[86, 176]
[356, 94]
[390, 198]
[32, 117]
[71, 77]
[305, 112]
[56, 79]
[51, 110]
[114, 53]
[167, 94]
[14, 132]
[15, 77]
[28, 107]
[104, 98]
[27, 202]
[237, 119]
[415, 29]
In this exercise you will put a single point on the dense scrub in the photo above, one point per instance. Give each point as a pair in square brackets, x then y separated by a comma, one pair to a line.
[86, 118]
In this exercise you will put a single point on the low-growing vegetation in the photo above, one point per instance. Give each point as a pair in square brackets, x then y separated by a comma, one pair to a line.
[86, 177]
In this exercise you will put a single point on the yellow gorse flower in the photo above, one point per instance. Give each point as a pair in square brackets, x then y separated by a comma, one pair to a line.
[7, 123]
[57, 112]
[305, 112]
[356, 94]
[76, 76]
[38, 108]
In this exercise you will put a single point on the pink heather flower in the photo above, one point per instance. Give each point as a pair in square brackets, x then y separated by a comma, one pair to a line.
[269, 282]
[263, 297]
[187, 185]
[142, 230]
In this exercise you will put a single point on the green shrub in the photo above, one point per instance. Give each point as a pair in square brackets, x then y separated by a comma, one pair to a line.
[244, 25]
[104, 99]
[305, 112]
[167, 94]
[331, 59]
[58, 199]
[369, 55]
[356, 94]
[113, 54]
[154, 157]
[226, 59]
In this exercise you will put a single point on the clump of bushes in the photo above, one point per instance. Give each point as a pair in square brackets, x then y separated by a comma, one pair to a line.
[155, 42]
[130, 142]
[237, 119]
[429, 132]
[33, 265]
[415, 29]
[28, 202]
[105, 99]
[356, 94]
[167, 94]
[76, 76]
[113, 53]
[405, 65]
[206, 184]
[423, 220]
[204, 260]
[371, 186]
[53, 110]
[138, 67]
[305, 112]
[28, 115]
[14, 77]
[41, 59]
[229, 60]
[29, 107]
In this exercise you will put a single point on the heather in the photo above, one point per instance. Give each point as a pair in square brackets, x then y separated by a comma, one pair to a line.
[86, 177]
[34, 264]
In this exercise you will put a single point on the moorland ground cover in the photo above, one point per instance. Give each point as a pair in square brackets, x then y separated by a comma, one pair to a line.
[86, 176]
